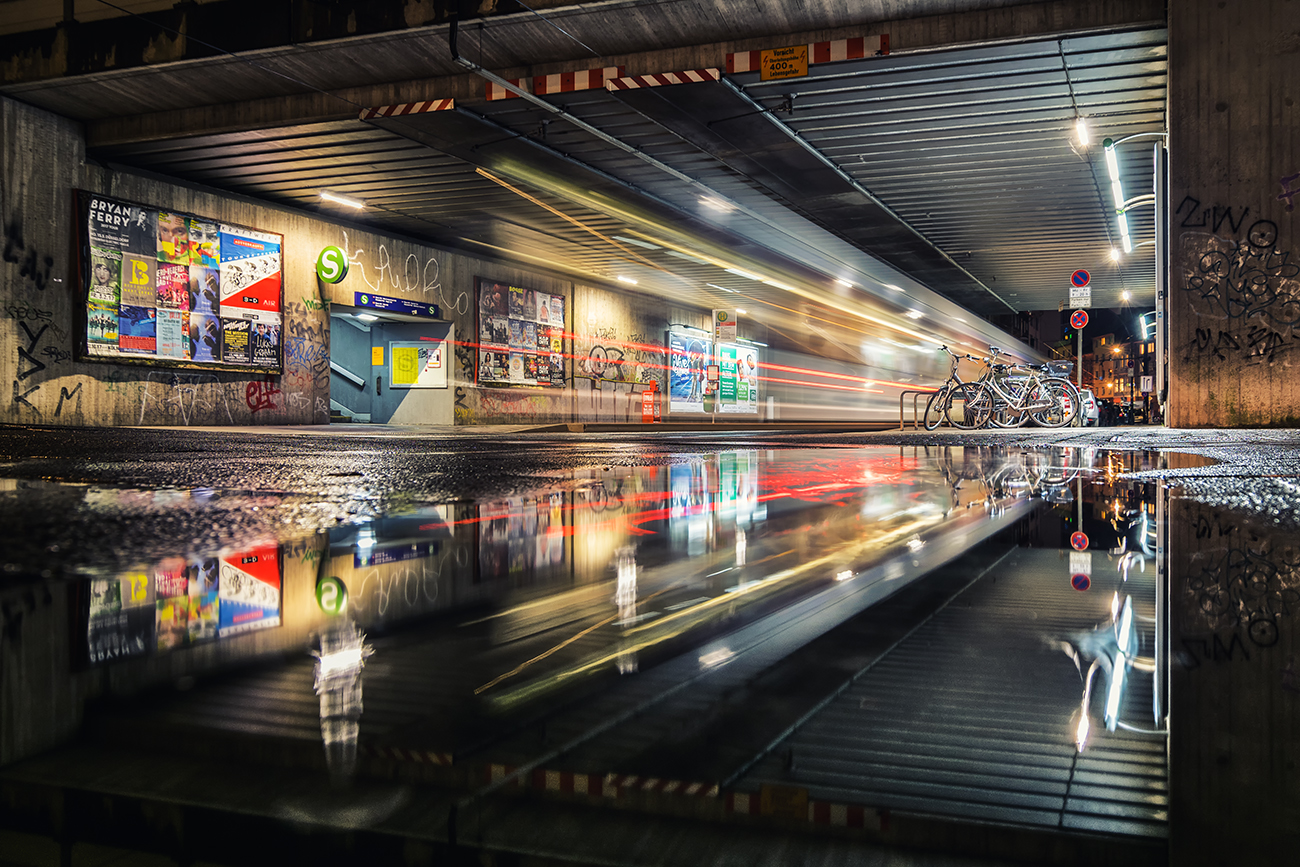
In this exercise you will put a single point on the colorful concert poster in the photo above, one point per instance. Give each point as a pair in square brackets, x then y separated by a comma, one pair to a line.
[173, 238]
[250, 270]
[205, 337]
[137, 330]
[173, 286]
[105, 275]
[234, 344]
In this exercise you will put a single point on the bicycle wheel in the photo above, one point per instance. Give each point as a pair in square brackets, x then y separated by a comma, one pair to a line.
[934, 407]
[1004, 413]
[968, 406]
[1064, 402]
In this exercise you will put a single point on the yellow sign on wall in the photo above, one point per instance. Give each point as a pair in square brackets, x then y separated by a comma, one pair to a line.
[377, 356]
[778, 63]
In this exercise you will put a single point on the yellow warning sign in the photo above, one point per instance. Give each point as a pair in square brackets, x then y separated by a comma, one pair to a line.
[377, 356]
[778, 63]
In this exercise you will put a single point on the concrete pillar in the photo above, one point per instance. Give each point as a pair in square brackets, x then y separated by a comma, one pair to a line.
[1234, 192]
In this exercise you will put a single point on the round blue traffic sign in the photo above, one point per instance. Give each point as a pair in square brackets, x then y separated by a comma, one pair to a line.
[1079, 540]
[1080, 278]
[1080, 581]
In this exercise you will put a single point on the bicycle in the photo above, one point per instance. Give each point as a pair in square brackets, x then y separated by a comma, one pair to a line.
[1039, 394]
[936, 406]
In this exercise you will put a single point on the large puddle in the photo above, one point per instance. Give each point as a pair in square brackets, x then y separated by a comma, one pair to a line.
[1005, 614]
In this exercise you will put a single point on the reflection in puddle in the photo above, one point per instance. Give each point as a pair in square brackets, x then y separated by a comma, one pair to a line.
[180, 602]
[486, 615]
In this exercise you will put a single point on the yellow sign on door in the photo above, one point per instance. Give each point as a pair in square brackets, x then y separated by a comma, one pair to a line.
[778, 63]
[377, 356]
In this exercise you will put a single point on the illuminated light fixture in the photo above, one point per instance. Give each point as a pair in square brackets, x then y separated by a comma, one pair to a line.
[723, 288]
[738, 310]
[915, 545]
[914, 314]
[1081, 130]
[367, 317]
[342, 200]
[892, 286]
[750, 342]
[1117, 191]
[1126, 295]
[717, 204]
[959, 319]
[779, 285]
[744, 274]
[844, 576]
[636, 242]
[1114, 254]
[845, 283]
[627, 280]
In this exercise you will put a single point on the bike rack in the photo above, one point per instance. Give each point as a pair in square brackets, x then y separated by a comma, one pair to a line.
[916, 395]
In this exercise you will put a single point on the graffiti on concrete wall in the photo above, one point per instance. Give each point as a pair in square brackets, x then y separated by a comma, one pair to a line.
[1250, 345]
[614, 363]
[34, 266]
[391, 272]
[187, 398]
[1290, 189]
[1239, 278]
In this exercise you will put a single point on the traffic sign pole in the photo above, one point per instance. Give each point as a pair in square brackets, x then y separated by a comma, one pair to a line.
[1079, 321]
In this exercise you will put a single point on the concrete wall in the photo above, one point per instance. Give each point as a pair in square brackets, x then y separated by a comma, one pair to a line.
[1234, 144]
[619, 335]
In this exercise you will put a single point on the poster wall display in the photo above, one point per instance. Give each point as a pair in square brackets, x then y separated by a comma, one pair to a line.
[688, 356]
[179, 290]
[421, 364]
[520, 335]
[737, 378]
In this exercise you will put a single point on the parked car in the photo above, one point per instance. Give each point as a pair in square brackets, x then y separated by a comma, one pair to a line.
[1089, 413]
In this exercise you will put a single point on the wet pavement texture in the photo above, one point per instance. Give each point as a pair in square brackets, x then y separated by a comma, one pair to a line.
[883, 634]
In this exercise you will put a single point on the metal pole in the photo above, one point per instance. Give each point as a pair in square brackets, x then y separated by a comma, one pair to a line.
[1161, 183]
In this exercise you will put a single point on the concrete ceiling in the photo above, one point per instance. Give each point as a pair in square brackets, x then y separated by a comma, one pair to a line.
[947, 167]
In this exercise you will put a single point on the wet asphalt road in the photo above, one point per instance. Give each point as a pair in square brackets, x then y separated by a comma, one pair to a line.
[254, 484]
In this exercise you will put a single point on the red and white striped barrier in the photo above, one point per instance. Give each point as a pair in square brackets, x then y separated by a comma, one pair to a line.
[408, 108]
[560, 82]
[818, 52]
[564, 82]
[630, 782]
[660, 79]
[847, 816]
[819, 812]
[398, 754]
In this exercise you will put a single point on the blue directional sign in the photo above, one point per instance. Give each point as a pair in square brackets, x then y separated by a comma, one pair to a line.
[395, 305]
